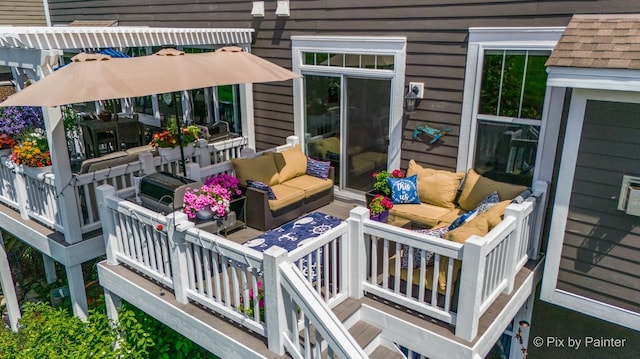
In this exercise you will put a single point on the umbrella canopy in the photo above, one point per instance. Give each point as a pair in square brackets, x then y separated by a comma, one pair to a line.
[100, 77]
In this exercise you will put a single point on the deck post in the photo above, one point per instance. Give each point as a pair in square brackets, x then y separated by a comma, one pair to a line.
[471, 283]
[192, 171]
[358, 257]
[66, 200]
[293, 140]
[108, 226]
[177, 223]
[78, 295]
[112, 303]
[202, 152]
[8, 288]
[541, 191]
[514, 242]
[275, 318]
[21, 194]
[146, 161]
[49, 268]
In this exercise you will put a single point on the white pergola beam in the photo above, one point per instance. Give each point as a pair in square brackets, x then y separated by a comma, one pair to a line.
[81, 37]
[32, 59]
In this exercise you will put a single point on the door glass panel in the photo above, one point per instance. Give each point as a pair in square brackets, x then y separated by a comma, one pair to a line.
[322, 119]
[367, 129]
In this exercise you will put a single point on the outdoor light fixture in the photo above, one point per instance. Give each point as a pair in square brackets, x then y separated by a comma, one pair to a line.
[258, 9]
[410, 99]
[283, 8]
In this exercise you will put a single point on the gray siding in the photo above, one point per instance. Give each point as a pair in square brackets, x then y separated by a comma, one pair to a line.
[601, 250]
[22, 13]
[436, 32]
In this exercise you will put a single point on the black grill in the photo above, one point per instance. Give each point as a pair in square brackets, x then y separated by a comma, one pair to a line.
[163, 191]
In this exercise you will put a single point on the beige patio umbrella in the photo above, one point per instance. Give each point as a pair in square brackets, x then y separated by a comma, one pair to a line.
[100, 77]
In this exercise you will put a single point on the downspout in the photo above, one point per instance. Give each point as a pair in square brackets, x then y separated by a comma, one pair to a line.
[47, 15]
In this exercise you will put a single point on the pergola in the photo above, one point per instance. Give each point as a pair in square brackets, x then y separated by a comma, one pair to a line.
[34, 52]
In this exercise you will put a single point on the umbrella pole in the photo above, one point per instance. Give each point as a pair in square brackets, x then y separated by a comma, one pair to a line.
[182, 160]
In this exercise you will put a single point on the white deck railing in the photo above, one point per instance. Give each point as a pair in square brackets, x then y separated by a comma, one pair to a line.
[32, 192]
[357, 257]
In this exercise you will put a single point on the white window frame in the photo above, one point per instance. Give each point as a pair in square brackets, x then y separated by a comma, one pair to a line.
[480, 40]
[373, 45]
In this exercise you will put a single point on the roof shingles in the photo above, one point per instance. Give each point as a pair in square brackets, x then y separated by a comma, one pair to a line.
[599, 41]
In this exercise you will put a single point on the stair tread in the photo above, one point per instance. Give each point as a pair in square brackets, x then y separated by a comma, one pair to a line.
[364, 333]
[382, 352]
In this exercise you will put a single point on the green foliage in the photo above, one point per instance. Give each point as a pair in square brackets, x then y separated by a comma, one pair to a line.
[47, 332]
[143, 332]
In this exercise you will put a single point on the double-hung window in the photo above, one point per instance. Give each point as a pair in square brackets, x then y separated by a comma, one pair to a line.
[505, 85]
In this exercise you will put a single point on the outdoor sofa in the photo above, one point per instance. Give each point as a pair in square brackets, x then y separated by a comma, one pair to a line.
[286, 177]
[447, 197]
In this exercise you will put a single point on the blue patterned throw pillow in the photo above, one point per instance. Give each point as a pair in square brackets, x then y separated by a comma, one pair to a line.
[482, 207]
[404, 190]
[317, 168]
[417, 253]
[263, 187]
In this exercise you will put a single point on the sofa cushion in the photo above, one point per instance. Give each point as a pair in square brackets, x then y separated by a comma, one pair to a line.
[482, 207]
[290, 163]
[404, 190]
[286, 196]
[317, 168]
[422, 213]
[263, 187]
[477, 187]
[441, 285]
[262, 168]
[309, 184]
[495, 213]
[448, 218]
[478, 226]
[437, 187]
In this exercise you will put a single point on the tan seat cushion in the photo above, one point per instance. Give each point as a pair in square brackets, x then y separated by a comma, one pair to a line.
[423, 213]
[428, 279]
[478, 226]
[477, 187]
[309, 184]
[290, 163]
[285, 196]
[262, 168]
[451, 216]
[495, 214]
[437, 187]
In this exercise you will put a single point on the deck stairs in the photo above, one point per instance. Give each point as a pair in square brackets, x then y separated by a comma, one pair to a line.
[368, 336]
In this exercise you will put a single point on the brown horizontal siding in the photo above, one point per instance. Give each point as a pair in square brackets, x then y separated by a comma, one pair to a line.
[601, 248]
[22, 13]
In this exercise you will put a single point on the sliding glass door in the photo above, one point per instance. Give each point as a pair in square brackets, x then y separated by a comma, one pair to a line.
[347, 123]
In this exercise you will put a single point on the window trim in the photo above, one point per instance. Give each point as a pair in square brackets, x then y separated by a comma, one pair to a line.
[378, 45]
[481, 40]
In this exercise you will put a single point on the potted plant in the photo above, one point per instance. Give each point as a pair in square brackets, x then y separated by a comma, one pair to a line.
[15, 121]
[207, 202]
[6, 144]
[32, 154]
[237, 201]
[248, 309]
[379, 208]
[381, 185]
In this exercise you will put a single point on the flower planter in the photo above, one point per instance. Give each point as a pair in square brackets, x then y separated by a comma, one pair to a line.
[381, 217]
[5, 152]
[174, 152]
[35, 172]
[369, 196]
